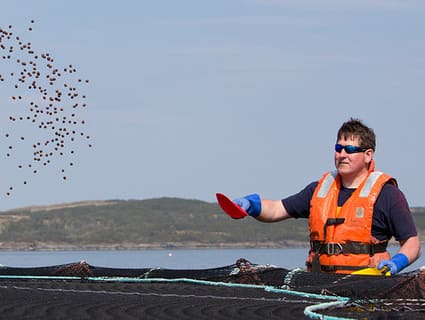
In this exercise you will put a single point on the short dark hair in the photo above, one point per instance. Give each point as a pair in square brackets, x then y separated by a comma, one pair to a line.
[356, 128]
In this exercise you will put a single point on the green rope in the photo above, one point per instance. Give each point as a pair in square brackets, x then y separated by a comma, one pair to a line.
[308, 311]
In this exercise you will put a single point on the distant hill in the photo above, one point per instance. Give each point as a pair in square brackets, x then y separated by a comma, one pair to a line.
[152, 223]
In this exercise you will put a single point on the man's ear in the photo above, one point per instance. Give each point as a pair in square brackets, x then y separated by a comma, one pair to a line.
[369, 155]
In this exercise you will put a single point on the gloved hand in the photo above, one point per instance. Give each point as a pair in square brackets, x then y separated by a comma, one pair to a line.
[396, 264]
[250, 203]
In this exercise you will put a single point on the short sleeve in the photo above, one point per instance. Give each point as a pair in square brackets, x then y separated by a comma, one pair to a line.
[298, 205]
[392, 216]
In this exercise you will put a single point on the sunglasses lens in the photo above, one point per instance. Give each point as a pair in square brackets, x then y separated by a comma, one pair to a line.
[351, 149]
[338, 148]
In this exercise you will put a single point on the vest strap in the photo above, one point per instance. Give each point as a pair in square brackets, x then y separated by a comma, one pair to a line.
[332, 222]
[334, 248]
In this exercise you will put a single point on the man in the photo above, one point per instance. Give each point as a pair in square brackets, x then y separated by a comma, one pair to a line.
[353, 212]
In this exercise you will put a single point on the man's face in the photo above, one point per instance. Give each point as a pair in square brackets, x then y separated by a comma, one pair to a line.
[352, 164]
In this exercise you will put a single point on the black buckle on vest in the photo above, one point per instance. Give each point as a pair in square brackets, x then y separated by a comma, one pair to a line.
[333, 248]
[334, 221]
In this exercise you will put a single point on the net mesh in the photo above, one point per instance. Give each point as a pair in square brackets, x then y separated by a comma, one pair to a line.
[364, 296]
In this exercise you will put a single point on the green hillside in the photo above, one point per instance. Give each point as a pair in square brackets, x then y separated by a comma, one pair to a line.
[153, 223]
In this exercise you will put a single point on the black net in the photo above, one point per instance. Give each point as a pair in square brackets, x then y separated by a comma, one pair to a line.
[369, 297]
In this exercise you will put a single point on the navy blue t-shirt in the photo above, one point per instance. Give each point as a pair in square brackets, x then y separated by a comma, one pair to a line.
[391, 213]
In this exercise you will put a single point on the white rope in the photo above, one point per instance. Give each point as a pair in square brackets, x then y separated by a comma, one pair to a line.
[153, 294]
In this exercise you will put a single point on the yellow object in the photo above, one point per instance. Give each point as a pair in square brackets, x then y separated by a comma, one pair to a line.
[373, 272]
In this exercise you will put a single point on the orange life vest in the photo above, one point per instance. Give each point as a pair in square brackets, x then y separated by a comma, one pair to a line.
[341, 237]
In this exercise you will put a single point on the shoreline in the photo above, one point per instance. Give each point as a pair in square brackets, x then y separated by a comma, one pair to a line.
[43, 246]
[53, 246]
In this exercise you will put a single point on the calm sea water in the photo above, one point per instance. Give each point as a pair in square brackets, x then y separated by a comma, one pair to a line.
[173, 259]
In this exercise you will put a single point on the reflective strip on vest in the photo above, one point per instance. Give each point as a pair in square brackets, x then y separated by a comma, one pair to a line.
[326, 185]
[370, 182]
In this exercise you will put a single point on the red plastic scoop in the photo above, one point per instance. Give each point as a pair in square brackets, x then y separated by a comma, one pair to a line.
[231, 208]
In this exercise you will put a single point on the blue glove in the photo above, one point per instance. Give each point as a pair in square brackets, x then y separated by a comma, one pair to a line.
[250, 203]
[396, 264]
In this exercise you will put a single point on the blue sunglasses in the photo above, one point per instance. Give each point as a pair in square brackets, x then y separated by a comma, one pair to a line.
[349, 149]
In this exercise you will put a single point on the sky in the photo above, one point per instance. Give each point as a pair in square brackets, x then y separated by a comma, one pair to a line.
[188, 98]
